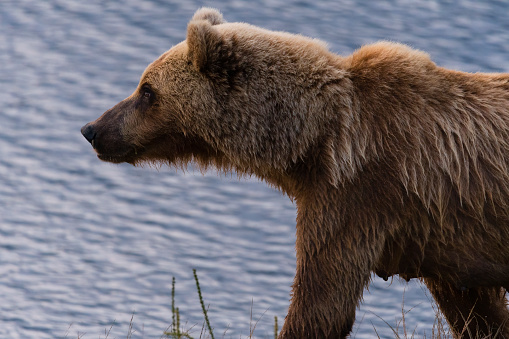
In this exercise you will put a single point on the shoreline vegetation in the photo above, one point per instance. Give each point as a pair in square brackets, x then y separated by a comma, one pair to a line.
[439, 330]
[177, 332]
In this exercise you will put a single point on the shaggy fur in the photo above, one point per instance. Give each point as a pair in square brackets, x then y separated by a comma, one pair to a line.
[397, 166]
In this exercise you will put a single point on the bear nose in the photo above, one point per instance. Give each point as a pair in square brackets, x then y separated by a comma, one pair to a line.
[88, 132]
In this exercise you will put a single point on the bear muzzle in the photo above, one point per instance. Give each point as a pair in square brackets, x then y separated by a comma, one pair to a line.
[108, 144]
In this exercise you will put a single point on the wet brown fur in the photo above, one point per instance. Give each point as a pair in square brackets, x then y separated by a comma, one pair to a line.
[397, 166]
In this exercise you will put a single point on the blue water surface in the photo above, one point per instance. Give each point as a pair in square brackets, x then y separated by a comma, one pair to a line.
[85, 245]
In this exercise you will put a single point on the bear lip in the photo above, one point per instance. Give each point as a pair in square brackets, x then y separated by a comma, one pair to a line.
[128, 156]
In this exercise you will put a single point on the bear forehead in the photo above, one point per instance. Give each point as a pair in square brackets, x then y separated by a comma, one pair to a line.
[163, 64]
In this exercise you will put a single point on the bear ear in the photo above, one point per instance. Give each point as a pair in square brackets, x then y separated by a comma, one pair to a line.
[211, 15]
[205, 44]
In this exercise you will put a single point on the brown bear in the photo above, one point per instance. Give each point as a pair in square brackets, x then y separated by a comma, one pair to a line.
[397, 166]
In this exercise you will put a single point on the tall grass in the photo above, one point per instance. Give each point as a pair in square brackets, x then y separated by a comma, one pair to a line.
[176, 332]
[202, 304]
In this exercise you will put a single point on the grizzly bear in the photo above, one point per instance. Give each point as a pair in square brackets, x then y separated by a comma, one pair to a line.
[397, 166]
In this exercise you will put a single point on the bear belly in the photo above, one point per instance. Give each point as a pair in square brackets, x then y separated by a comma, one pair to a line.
[461, 270]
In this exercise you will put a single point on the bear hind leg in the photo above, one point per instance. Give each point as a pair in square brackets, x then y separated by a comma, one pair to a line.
[474, 313]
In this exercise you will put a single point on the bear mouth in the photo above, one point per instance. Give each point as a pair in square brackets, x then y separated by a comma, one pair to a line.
[129, 156]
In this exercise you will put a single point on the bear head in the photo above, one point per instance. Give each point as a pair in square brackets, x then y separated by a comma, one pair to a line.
[234, 96]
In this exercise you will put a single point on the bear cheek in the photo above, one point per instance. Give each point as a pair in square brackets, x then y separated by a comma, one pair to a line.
[158, 139]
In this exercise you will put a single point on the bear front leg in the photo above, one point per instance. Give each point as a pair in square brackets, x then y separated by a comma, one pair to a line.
[334, 263]
[324, 298]
[472, 313]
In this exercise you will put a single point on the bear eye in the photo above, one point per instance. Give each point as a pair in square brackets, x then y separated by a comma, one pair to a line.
[147, 93]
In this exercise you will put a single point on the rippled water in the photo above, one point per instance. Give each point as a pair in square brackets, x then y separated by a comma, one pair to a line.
[85, 244]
